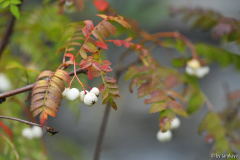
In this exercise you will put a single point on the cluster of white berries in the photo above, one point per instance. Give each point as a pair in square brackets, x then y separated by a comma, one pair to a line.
[34, 132]
[194, 68]
[167, 136]
[89, 98]
[5, 83]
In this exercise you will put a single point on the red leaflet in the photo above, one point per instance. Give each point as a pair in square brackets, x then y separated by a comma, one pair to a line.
[70, 55]
[106, 68]
[117, 43]
[101, 88]
[7, 130]
[101, 5]
[82, 62]
[96, 65]
[102, 45]
[138, 46]
[106, 62]
[89, 25]
[90, 75]
[86, 65]
[126, 44]
[85, 32]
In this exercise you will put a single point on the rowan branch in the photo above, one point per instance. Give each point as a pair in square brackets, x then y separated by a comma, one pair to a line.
[29, 87]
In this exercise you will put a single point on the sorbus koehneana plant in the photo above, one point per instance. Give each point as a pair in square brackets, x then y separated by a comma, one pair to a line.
[82, 47]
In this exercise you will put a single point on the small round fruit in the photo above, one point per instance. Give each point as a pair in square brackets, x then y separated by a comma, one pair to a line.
[175, 123]
[27, 133]
[164, 136]
[72, 94]
[193, 63]
[66, 90]
[90, 99]
[95, 90]
[37, 131]
[82, 95]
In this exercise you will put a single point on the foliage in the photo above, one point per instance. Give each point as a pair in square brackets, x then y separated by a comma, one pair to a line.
[45, 30]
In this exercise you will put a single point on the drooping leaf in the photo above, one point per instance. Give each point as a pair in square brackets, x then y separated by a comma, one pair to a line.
[47, 94]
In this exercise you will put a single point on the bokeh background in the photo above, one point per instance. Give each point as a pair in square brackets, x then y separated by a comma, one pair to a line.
[131, 130]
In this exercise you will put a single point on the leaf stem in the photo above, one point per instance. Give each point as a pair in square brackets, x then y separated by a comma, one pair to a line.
[180, 36]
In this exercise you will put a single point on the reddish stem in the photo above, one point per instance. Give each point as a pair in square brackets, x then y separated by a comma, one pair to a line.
[74, 62]
[88, 37]
[180, 36]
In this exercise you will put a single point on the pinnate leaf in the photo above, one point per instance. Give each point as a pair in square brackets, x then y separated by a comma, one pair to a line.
[47, 94]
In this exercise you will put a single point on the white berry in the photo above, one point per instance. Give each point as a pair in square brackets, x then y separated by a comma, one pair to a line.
[72, 94]
[194, 68]
[193, 63]
[27, 133]
[5, 83]
[95, 90]
[175, 123]
[37, 131]
[164, 136]
[90, 99]
[82, 95]
[66, 90]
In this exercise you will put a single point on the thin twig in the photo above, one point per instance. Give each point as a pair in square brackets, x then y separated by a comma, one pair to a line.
[7, 33]
[208, 103]
[108, 107]
[21, 120]
[29, 87]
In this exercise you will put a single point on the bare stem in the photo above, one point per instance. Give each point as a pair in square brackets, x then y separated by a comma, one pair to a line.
[180, 36]
[108, 107]
[21, 120]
